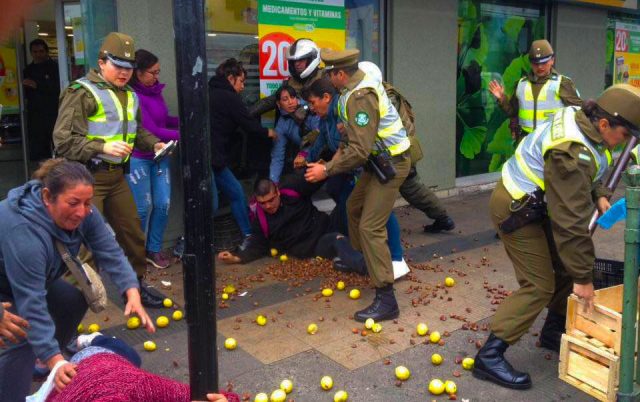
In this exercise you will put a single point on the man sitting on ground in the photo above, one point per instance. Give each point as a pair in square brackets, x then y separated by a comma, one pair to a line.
[286, 219]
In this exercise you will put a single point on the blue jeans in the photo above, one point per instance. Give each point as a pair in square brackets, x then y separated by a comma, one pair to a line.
[232, 189]
[150, 185]
[66, 306]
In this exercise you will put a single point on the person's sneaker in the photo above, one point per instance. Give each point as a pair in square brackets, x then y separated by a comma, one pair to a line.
[84, 341]
[158, 260]
[40, 371]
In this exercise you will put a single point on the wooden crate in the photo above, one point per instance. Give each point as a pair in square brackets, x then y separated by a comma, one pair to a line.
[591, 369]
[604, 324]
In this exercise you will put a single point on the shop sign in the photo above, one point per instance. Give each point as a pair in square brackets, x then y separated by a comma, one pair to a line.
[628, 4]
[281, 22]
[626, 66]
[9, 98]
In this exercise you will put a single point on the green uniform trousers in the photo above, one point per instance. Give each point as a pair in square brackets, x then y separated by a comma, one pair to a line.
[421, 197]
[543, 280]
[368, 209]
[112, 196]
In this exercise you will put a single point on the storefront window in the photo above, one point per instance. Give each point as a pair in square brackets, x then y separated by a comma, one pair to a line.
[493, 41]
[364, 28]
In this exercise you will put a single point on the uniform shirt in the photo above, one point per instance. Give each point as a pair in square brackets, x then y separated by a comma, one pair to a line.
[568, 94]
[70, 131]
[361, 139]
[571, 193]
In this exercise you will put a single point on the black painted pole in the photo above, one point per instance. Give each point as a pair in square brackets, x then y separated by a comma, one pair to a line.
[197, 262]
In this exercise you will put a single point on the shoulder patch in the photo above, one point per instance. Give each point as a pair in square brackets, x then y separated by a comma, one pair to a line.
[75, 86]
[362, 119]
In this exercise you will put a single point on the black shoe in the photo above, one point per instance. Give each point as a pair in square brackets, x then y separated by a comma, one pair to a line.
[150, 297]
[340, 266]
[384, 306]
[491, 365]
[552, 330]
[245, 242]
[440, 224]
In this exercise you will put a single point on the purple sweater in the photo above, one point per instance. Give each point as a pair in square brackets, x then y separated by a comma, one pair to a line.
[155, 116]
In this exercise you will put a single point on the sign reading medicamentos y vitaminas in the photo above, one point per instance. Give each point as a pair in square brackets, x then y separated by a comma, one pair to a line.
[281, 22]
[626, 64]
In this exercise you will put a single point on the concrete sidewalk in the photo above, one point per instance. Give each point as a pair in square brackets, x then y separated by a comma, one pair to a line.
[288, 294]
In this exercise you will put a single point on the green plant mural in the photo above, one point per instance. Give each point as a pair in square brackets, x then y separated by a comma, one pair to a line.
[492, 45]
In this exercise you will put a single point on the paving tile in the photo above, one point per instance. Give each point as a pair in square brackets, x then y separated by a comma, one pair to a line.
[343, 352]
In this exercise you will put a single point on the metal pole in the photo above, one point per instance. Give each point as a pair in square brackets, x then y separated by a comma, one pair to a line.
[197, 261]
[613, 180]
[628, 390]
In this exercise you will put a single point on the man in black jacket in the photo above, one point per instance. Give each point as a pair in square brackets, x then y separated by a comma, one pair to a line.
[228, 113]
[287, 220]
[42, 88]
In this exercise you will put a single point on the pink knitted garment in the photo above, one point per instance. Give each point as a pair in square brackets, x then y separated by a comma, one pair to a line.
[107, 377]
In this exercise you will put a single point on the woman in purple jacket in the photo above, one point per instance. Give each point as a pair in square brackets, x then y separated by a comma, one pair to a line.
[150, 181]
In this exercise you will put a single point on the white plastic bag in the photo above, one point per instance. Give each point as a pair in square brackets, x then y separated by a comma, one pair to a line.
[47, 386]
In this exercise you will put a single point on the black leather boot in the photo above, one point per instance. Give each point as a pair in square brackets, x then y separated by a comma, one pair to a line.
[384, 306]
[491, 365]
[552, 330]
[440, 224]
[150, 297]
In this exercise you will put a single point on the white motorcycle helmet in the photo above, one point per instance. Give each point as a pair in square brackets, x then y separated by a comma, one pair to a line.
[303, 49]
[371, 69]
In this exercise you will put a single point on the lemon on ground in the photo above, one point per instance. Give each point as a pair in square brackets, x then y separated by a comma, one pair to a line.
[341, 396]
[93, 328]
[167, 302]
[286, 386]
[261, 320]
[434, 337]
[80, 328]
[326, 292]
[274, 252]
[162, 321]
[422, 329]
[326, 383]
[177, 315]
[149, 346]
[354, 294]
[229, 289]
[133, 322]
[261, 397]
[449, 282]
[225, 296]
[312, 329]
[467, 363]
[436, 359]
[402, 373]
[436, 387]
[283, 258]
[230, 343]
[377, 327]
[368, 324]
[450, 387]
[340, 285]
[278, 396]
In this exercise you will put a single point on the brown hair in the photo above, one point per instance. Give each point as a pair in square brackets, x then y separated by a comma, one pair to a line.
[60, 174]
[319, 88]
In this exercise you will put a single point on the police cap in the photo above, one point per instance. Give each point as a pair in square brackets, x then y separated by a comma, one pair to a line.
[334, 59]
[540, 51]
[119, 49]
[622, 100]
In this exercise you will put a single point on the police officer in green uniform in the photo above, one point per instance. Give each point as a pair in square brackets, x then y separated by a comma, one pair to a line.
[542, 207]
[538, 95]
[99, 125]
[373, 126]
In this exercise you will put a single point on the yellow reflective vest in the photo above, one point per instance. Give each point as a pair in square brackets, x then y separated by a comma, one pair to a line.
[523, 173]
[532, 112]
[108, 122]
[391, 132]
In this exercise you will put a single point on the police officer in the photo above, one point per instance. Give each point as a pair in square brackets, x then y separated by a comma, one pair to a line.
[413, 190]
[99, 125]
[538, 95]
[549, 242]
[373, 126]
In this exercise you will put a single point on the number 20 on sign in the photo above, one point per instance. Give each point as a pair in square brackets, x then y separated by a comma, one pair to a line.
[273, 55]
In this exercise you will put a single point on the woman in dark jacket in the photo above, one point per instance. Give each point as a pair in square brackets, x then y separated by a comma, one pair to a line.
[228, 113]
